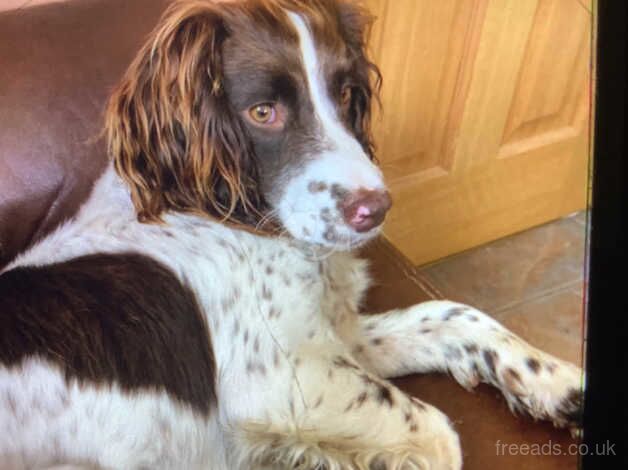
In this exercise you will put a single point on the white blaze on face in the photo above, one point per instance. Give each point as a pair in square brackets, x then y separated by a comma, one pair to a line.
[344, 163]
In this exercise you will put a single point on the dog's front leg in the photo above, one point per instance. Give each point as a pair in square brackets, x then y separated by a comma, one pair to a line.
[334, 415]
[450, 337]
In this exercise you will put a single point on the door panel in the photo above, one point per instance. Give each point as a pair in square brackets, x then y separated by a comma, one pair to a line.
[484, 130]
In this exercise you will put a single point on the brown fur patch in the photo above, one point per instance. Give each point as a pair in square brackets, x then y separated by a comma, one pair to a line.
[110, 319]
[533, 365]
[173, 130]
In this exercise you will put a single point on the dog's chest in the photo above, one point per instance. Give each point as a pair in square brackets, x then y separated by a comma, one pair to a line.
[263, 296]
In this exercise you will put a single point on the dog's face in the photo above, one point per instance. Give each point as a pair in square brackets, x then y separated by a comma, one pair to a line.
[255, 111]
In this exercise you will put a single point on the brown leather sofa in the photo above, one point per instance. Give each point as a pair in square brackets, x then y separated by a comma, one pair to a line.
[57, 65]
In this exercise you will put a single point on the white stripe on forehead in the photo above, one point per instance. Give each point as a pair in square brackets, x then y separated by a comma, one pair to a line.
[323, 105]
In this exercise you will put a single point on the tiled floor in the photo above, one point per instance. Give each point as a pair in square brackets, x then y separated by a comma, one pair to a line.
[531, 282]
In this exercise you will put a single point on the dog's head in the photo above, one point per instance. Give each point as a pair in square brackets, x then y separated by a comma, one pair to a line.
[254, 111]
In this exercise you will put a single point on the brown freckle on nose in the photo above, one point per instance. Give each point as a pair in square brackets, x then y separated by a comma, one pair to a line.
[269, 270]
[376, 341]
[330, 234]
[425, 330]
[316, 186]
[326, 215]
[338, 192]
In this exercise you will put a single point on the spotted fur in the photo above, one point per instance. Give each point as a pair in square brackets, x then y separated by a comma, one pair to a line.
[252, 227]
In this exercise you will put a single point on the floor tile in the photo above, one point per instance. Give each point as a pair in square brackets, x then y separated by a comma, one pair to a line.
[552, 323]
[506, 272]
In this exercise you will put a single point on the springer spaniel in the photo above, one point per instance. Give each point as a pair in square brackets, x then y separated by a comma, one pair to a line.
[200, 311]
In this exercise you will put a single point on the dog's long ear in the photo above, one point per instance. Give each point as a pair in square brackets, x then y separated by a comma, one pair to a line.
[355, 24]
[171, 132]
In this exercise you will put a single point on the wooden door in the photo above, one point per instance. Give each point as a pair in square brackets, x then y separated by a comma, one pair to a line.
[485, 125]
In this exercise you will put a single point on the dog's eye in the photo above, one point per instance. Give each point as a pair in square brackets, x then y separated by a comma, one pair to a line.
[263, 113]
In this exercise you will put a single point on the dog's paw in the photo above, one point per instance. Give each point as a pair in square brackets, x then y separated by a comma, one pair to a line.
[545, 388]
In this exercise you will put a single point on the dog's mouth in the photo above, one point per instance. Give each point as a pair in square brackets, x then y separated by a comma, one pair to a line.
[343, 224]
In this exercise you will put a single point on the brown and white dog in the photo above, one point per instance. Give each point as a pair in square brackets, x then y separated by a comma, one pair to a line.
[200, 311]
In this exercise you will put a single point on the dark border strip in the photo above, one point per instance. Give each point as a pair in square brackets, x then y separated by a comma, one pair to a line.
[605, 363]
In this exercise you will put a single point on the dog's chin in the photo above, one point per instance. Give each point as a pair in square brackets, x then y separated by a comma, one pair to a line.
[336, 238]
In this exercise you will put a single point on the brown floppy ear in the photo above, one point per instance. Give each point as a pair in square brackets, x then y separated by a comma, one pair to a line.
[355, 24]
[171, 132]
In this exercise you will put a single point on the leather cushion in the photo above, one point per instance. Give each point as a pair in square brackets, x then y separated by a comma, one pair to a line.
[58, 65]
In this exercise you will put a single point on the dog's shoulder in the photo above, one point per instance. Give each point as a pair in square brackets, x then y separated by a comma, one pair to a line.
[112, 319]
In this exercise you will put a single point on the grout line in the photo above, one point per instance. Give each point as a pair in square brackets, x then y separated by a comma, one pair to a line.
[539, 296]
[426, 285]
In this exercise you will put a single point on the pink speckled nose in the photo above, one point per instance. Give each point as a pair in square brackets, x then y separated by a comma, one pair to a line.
[365, 209]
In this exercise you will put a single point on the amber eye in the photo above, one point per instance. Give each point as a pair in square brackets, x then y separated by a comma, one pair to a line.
[263, 113]
[345, 97]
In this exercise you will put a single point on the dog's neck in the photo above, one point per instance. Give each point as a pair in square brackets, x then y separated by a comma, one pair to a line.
[110, 197]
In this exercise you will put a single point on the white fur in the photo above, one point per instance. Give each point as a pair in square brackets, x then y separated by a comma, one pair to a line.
[300, 374]
[310, 294]
[296, 401]
[343, 163]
